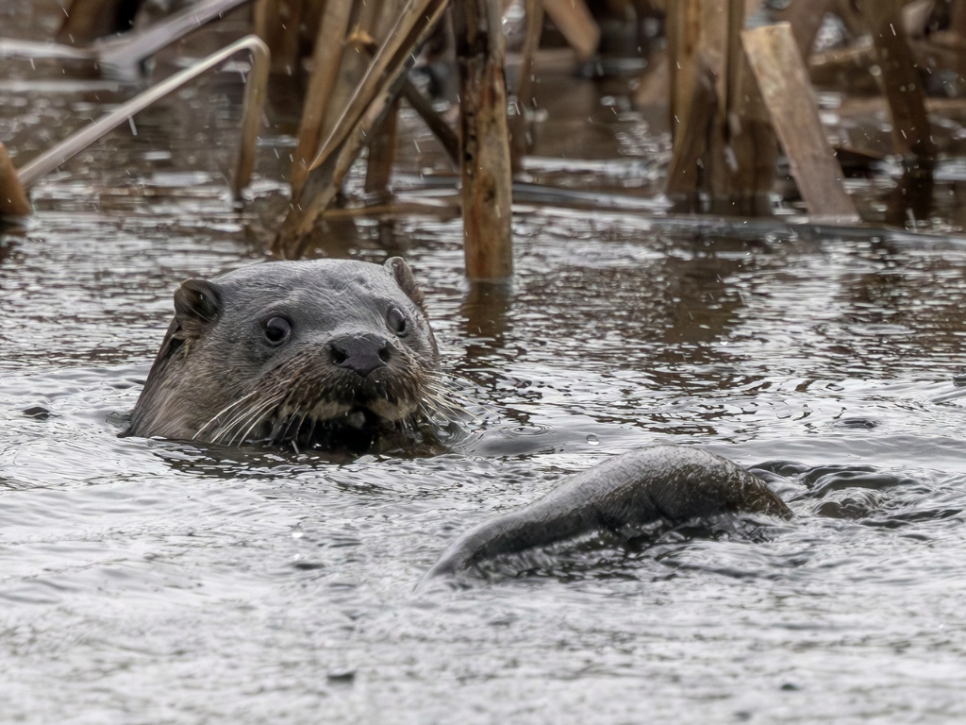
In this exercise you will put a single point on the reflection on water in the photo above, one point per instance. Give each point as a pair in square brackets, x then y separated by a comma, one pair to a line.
[153, 581]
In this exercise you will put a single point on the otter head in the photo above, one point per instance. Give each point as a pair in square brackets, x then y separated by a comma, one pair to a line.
[303, 352]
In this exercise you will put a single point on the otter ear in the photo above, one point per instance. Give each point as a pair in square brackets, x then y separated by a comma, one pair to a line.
[197, 304]
[404, 278]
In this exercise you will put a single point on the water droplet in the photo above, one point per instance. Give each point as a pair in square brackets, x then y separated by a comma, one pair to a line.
[593, 440]
[297, 532]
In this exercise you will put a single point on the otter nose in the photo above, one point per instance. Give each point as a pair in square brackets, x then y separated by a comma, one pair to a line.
[360, 353]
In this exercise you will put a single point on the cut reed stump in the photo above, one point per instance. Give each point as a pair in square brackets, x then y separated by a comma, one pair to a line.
[371, 23]
[732, 90]
[13, 199]
[806, 18]
[576, 24]
[787, 93]
[957, 20]
[485, 160]
[894, 58]
[326, 60]
[899, 79]
[724, 148]
[382, 154]
[277, 22]
[520, 136]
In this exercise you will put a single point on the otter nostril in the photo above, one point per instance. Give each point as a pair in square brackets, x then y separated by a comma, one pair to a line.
[384, 354]
[339, 355]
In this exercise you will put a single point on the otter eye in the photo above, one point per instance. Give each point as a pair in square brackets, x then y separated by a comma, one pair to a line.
[397, 322]
[277, 330]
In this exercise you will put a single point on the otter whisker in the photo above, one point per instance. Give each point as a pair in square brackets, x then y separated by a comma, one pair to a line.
[214, 418]
[301, 423]
[451, 403]
[238, 414]
[287, 427]
[273, 435]
[256, 418]
[435, 404]
[237, 421]
[243, 435]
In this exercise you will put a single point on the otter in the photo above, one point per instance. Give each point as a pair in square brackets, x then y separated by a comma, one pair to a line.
[337, 354]
[327, 353]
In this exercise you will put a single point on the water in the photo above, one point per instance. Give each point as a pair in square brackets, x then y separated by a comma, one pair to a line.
[155, 582]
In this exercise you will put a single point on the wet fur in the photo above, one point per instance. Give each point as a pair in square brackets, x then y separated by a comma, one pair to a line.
[216, 380]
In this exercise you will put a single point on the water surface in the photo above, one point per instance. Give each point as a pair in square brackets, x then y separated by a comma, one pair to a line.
[152, 581]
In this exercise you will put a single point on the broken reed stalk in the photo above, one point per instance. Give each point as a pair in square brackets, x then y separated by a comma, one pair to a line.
[329, 45]
[55, 156]
[724, 152]
[693, 97]
[122, 52]
[958, 18]
[360, 45]
[696, 32]
[277, 22]
[520, 136]
[576, 24]
[752, 138]
[899, 79]
[531, 42]
[13, 199]
[445, 208]
[424, 108]
[256, 88]
[391, 57]
[486, 173]
[806, 18]
[354, 127]
[382, 153]
[787, 92]
[724, 149]
[127, 49]
[446, 136]
[385, 140]
[422, 105]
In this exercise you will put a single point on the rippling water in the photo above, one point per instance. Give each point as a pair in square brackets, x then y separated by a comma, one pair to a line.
[150, 581]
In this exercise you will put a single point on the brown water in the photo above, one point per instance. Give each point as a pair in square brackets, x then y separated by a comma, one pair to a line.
[155, 582]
